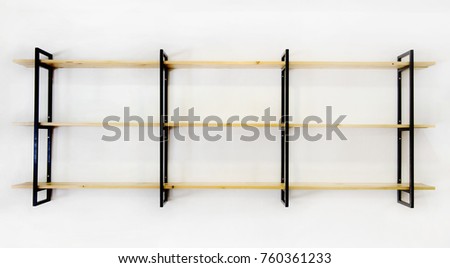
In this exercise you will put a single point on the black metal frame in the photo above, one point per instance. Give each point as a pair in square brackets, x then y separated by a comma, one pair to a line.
[285, 128]
[410, 128]
[163, 128]
[37, 126]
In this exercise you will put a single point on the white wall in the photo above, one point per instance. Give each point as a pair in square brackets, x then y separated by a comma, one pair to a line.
[225, 30]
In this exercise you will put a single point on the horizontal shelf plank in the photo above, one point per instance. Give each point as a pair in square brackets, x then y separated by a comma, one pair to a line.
[356, 64]
[91, 63]
[227, 185]
[222, 64]
[84, 124]
[356, 186]
[362, 125]
[213, 124]
[198, 124]
[90, 185]
[225, 64]
[137, 185]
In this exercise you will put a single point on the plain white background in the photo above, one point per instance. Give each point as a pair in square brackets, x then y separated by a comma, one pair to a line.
[225, 30]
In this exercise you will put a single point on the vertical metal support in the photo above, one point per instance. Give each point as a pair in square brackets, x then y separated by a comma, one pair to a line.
[410, 128]
[285, 128]
[163, 128]
[37, 126]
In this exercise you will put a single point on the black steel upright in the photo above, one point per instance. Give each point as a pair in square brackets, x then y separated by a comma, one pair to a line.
[37, 126]
[163, 128]
[410, 128]
[285, 128]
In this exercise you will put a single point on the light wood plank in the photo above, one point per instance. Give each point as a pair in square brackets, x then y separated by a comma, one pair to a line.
[91, 185]
[224, 64]
[221, 64]
[213, 124]
[91, 63]
[299, 186]
[85, 124]
[198, 124]
[224, 185]
[362, 125]
[227, 185]
[135, 124]
[145, 185]
[356, 186]
[356, 64]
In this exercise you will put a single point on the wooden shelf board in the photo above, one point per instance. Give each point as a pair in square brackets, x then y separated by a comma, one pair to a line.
[363, 125]
[224, 64]
[145, 185]
[220, 64]
[91, 185]
[356, 64]
[135, 124]
[227, 185]
[356, 186]
[294, 125]
[91, 63]
[198, 124]
[84, 124]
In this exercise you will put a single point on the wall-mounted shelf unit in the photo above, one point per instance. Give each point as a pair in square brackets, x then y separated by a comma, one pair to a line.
[165, 185]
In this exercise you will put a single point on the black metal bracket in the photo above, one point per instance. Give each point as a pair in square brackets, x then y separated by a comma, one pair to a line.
[285, 128]
[163, 128]
[37, 64]
[410, 128]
